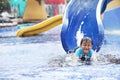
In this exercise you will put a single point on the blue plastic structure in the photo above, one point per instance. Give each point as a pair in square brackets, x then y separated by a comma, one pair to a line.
[83, 18]
[111, 19]
[20, 5]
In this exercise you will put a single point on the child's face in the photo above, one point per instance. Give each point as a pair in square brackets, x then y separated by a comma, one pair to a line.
[86, 46]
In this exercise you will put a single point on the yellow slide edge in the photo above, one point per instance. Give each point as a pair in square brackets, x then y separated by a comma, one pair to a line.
[40, 27]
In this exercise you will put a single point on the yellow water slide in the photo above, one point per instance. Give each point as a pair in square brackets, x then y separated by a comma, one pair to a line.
[40, 27]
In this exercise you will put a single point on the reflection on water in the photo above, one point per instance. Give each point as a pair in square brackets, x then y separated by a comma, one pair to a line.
[27, 58]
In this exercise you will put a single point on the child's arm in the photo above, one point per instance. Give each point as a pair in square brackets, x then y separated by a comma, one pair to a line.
[76, 55]
[75, 58]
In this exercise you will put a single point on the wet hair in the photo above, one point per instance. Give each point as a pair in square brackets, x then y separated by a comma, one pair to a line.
[86, 39]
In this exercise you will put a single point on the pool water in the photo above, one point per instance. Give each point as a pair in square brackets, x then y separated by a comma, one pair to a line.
[27, 58]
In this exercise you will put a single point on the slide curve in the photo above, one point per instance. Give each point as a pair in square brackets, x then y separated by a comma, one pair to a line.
[40, 27]
[111, 18]
[83, 18]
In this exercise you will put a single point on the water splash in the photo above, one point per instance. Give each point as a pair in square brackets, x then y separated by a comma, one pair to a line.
[79, 36]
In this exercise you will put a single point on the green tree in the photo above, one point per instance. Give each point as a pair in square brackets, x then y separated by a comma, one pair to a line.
[4, 5]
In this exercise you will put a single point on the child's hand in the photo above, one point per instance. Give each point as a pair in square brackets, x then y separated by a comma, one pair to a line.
[83, 58]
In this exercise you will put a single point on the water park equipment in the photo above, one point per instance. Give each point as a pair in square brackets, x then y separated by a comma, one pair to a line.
[55, 7]
[40, 27]
[86, 18]
[55, 1]
[18, 7]
[82, 18]
[7, 24]
[5, 21]
[34, 11]
[111, 18]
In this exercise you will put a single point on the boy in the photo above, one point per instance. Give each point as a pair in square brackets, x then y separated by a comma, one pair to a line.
[84, 53]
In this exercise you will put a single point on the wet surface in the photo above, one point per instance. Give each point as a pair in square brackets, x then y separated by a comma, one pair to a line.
[27, 58]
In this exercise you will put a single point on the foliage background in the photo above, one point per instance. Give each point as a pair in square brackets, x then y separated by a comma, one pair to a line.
[4, 5]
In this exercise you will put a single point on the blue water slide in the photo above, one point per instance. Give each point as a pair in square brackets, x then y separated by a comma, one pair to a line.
[83, 18]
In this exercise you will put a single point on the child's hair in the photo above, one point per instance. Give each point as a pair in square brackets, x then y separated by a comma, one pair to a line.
[86, 39]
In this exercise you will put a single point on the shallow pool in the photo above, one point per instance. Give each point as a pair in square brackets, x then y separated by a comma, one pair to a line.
[27, 58]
